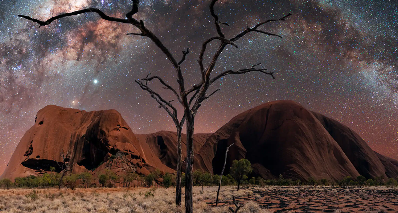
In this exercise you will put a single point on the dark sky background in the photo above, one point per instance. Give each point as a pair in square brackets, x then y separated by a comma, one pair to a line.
[336, 57]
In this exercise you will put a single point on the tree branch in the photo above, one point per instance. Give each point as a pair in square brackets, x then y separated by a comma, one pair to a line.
[254, 29]
[78, 12]
[162, 102]
[139, 34]
[204, 47]
[237, 205]
[216, 21]
[166, 86]
[206, 97]
[130, 20]
[242, 71]
[184, 54]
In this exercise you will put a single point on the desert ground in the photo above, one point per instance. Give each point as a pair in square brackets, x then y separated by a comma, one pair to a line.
[158, 199]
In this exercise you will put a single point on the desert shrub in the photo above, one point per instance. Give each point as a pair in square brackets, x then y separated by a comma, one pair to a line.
[197, 177]
[6, 183]
[240, 169]
[113, 178]
[86, 178]
[324, 181]
[370, 182]
[206, 179]
[283, 181]
[361, 180]
[71, 181]
[311, 181]
[167, 180]
[48, 180]
[128, 178]
[32, 195]
[229, 180]
[103, 179]
[252, 181]
[260, 181]
[29, 181]
[392, 182]
[149, 179]
[108, 178]
[157, 174]
[346, 181]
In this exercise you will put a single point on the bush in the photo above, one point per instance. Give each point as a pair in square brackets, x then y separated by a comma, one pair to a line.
[6, 183]
[369, 182]
[71, 181]
[149, 180]
[86, 178]
[240, 169]
[128, 178]
[108, 179]
[167, 180]
[33, 195]
[103, 179]
[392, 182]
[361, 180]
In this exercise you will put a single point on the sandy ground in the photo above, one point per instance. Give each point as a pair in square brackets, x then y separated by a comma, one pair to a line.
[252, 199]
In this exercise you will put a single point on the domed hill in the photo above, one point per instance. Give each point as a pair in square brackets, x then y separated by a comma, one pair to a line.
[163, 145]
[87, 140]
[282, 137]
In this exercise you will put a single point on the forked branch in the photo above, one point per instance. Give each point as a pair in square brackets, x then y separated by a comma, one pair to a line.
[166, 105]
[242, 71]
[166, 86]
[254, 29]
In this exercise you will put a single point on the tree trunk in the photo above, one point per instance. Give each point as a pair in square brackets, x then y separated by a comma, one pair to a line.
[60, 180]
[238, 185]
[189, 161]
[179, 166]
[222, 172]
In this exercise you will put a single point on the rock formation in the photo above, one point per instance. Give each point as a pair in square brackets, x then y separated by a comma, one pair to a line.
[83, 140]
[282, 137]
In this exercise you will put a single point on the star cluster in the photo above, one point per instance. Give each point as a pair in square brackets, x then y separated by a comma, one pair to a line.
[336, 57]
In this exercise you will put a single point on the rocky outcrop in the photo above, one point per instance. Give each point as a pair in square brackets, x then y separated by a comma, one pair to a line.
[163, 146]
[83, 140]
[282, 137]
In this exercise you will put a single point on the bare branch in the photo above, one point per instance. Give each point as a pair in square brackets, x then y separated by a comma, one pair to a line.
[139, 34]
[206, 97]
[216, 21]
[242, 71]
[130, 20]
[237, 205]
[78, 12]
[194, 95]
[166, 86]
[162, 102]
[184, 54]
[134, 10]
[267, 33]
[254, 29]
[204, 46]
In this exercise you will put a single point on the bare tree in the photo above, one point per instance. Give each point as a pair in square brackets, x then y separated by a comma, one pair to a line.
[222, 172]
[191, 97]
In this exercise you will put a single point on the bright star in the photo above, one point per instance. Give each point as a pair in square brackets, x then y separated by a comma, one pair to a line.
[95, 81]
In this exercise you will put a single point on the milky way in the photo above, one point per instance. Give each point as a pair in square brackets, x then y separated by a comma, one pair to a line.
[335, 57]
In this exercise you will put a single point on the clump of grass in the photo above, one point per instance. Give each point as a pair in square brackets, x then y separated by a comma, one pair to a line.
[33, 195]
[150, 193]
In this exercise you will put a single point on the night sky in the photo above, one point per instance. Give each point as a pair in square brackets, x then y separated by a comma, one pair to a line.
[336, 57]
